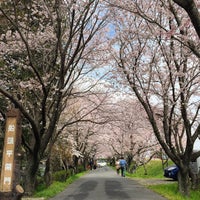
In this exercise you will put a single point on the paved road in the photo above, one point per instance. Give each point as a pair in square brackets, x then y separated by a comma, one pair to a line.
[105, 184]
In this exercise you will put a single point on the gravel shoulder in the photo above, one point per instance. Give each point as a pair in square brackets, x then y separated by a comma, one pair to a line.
[153, 181]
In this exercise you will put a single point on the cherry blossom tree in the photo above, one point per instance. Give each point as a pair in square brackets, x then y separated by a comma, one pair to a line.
[76, 140]
[192, 9]
[82, 124]
[46, 46]
[130, 132]
[175, 10]
[152, 48]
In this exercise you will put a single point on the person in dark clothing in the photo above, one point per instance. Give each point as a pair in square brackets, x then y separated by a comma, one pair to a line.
[123, 165]
[91, 164]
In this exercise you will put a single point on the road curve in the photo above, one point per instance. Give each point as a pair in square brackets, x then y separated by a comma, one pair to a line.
[105, 184]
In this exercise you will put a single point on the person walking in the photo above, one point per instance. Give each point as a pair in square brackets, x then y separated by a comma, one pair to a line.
[91, 164]
[123, 165]
[117, 166]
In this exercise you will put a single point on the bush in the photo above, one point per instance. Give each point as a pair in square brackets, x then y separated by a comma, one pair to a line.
[80, 169]
[61, 176]
[132, 167]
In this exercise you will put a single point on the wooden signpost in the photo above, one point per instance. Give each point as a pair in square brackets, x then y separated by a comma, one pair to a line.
[9, 183]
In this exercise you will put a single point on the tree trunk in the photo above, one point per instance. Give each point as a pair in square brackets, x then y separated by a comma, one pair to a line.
[129, 161]
[184, 182]
[29, 185]
[75, 159]
[194, 181]
[85, 163]
[47, 173]
[194, 175]
[145, 169]
[30, 176]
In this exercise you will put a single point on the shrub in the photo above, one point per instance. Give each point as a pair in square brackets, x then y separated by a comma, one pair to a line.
[61, 176]
[132, 167]
[80, 169]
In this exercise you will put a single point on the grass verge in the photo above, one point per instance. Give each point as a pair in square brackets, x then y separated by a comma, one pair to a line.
[169, 191]
[153, 169]
[56, 187]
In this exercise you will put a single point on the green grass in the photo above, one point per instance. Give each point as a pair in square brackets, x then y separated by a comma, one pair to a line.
[169, 191]
[154, 170]
[56, 187]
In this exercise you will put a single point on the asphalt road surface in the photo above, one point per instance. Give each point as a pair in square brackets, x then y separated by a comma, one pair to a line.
[104, 184]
